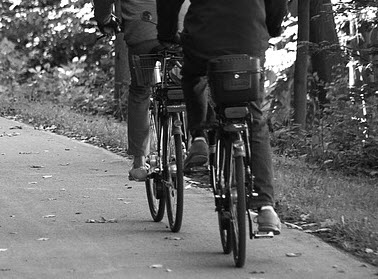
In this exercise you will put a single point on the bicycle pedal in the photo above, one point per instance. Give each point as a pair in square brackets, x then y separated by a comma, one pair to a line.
[258, 234]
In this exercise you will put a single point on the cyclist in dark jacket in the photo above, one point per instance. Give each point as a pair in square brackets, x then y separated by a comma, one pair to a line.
[214, 28]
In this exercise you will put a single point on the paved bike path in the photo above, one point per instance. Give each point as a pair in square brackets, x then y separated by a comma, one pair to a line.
[69, 211]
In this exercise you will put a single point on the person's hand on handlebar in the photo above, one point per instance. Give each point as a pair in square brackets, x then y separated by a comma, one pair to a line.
[110, 27]
[171, 45]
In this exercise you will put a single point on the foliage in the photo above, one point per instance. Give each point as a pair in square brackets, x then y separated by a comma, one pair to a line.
[53, 31]
[341, 132]
[50, 52]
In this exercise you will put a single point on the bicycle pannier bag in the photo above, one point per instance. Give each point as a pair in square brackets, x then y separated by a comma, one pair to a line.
[234, 79]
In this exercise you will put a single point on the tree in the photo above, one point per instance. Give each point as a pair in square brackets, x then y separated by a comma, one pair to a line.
[301, 63]
[325, 50]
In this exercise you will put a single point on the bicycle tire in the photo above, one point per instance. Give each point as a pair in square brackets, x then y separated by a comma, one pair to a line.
[238, 211]
[154, 182]
[174, 175]
[224, 221]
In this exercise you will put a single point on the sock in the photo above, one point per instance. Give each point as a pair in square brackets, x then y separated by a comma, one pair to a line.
[267, 207]
[200, 138]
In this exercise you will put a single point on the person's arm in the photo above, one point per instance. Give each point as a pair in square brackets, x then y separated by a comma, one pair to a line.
[275, 10]
[167, 11]
[103, 10]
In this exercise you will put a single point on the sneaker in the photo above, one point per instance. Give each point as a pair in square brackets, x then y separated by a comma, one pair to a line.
[269, 221]
[198, 154]
[138, 174]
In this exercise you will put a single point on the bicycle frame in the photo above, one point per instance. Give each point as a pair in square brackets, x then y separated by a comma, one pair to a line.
[168, 109]
[231, 176]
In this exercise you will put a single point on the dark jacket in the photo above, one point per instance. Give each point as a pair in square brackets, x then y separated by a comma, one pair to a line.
[136, 30]
[217, 27]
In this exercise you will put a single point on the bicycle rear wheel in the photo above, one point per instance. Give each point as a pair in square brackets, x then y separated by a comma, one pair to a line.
[154, 181]
[238, 210]
[174, 173]
[222, 197]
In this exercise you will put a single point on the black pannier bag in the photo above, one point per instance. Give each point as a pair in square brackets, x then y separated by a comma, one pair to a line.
[234, 79]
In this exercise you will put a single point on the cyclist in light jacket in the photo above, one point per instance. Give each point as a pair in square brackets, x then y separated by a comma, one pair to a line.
[141, 38]
[214, 28]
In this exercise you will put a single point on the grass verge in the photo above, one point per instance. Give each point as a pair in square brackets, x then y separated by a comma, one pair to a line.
[339, 209]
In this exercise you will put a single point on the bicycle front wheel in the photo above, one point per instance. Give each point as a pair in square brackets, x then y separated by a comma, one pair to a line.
[174, 173]
[154, 181]
[238, 211]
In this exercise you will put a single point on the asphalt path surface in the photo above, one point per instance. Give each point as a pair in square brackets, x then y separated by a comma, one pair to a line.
[69, 211]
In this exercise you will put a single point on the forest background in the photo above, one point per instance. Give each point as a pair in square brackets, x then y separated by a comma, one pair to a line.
[321, 102]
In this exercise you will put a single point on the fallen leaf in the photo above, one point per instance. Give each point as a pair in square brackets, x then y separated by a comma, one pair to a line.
[101, 220]
[49, 216]
[309, 225]
[156, 266]
[292, 255]
[173, 238]
[364, 265]
[292, 226]
[369, 251]
[36, 167]
[15, 127]
[43, 239]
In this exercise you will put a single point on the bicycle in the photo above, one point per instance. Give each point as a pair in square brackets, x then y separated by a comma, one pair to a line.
[234, 83]
[168, 136]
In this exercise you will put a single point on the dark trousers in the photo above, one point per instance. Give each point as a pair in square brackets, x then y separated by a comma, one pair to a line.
[200, 112]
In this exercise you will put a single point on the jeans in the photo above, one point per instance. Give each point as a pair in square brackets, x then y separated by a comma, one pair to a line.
[200, 112]
[138, 105]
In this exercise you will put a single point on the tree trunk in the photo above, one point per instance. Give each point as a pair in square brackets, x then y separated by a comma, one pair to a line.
[122, 73]
[301, 63]
[326, 51]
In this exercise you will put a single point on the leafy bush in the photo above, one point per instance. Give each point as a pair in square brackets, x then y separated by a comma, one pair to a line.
[340, 134]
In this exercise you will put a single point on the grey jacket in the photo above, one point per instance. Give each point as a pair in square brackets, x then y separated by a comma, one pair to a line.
[136, 31]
